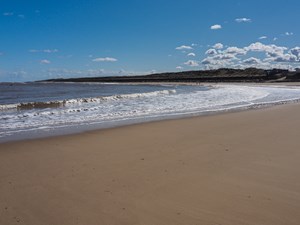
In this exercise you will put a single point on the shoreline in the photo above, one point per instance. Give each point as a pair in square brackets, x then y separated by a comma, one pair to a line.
[233, 168]
[82, 129]
[100, 125]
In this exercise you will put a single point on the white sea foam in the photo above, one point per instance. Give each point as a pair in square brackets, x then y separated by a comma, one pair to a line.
[141, 106]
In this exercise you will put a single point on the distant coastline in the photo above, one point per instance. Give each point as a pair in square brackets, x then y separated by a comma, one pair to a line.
[219, 75]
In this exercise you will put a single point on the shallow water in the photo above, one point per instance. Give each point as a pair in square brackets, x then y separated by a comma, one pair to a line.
[41, 109]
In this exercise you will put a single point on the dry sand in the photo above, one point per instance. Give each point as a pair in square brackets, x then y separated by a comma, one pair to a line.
[232, 169]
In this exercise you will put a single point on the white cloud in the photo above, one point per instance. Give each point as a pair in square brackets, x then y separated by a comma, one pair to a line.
[218, 46]
[275, 39]
[106, 59]
[219, 60]
[184, 47]
[234, 57]
[252, 60]
[216, 27]
[211, 51]
[285, 58]
[179, 67]
[223, 59]
[243, 20]
[223, 56]
[262, 37]
[235, 51]
[256, 47]
[211, 63]
[207, 60]
[43, 50]
[8, 14]
[50, 50]
[45, 61]
[270, 50]
[289, 33]
[276, 53]
[21, 16]
[295, 51]
[191, 54]
[191, 63]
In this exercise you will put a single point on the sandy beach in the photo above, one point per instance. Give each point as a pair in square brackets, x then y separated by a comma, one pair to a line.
[238, 168]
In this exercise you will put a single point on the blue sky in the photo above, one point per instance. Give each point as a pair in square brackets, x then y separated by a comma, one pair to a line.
[50, 39]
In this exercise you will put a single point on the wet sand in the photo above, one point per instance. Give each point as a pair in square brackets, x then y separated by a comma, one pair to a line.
[237, 168]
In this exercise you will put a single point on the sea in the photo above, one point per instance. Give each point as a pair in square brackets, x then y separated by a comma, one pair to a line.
[35, 109]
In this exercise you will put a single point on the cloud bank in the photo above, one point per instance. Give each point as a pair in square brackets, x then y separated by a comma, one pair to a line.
[257, 54]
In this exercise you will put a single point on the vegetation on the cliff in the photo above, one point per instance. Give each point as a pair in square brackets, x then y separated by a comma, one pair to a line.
[219, 75]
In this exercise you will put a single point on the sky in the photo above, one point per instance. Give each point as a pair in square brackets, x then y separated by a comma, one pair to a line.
[83, 38]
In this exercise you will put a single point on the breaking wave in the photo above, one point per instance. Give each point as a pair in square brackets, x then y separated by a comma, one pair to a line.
[62, 103]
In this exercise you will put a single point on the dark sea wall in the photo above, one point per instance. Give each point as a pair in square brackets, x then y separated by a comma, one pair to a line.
[220, 75]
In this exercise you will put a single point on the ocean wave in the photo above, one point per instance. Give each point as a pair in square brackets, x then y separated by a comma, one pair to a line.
[114, 110]
[33, 105]
[119, 97]
[62, 103]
